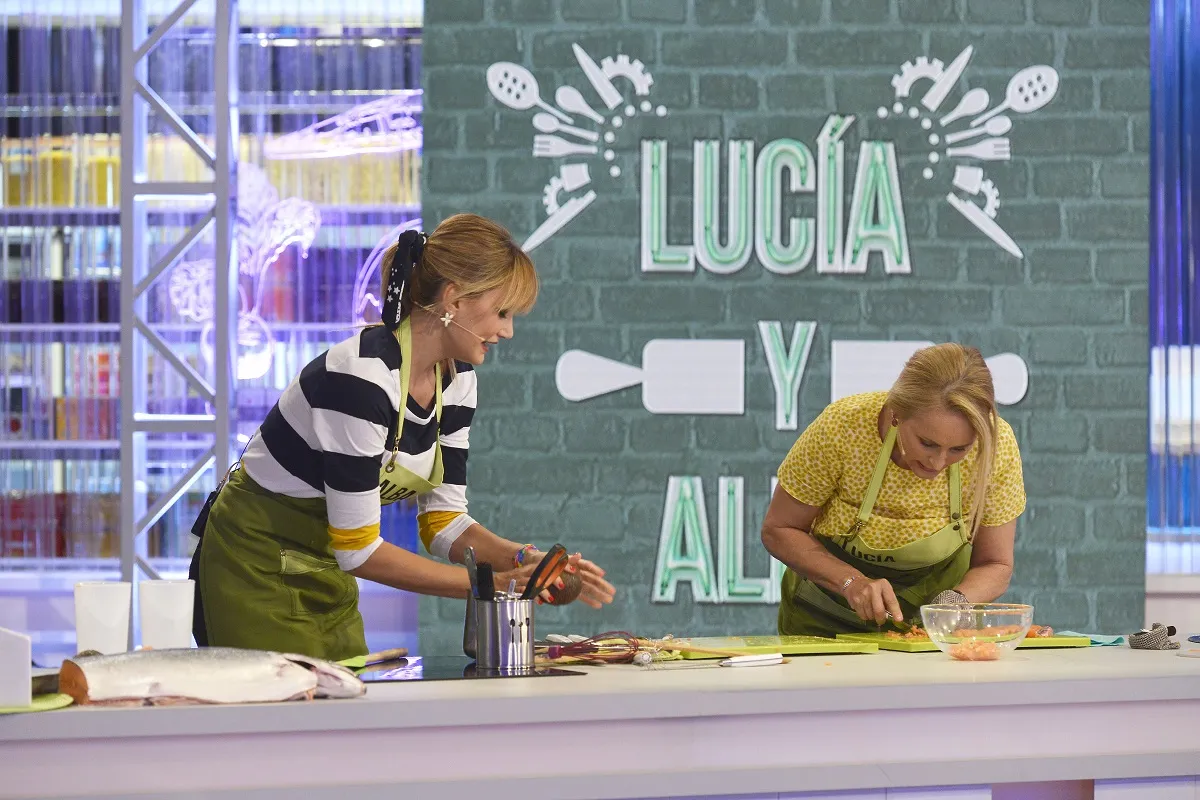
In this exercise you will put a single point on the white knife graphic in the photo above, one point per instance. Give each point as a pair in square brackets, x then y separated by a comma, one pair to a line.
[600, 82]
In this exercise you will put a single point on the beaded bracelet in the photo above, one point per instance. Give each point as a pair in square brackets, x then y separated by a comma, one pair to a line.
[519, 558]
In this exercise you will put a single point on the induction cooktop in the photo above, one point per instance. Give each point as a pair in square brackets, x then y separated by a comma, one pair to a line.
[445, 668]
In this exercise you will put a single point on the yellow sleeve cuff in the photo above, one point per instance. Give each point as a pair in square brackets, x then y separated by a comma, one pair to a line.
[431, 523]
[354, 538]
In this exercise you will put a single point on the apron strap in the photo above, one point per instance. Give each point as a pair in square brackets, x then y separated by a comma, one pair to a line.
[404, 335]
[956, 496]
[881, 463]
[885, 455]
[437, 372]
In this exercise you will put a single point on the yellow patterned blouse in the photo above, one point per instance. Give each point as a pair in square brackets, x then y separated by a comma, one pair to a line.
[831, 463]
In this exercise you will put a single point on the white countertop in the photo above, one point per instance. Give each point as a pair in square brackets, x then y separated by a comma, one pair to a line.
[819, 722]
[807, 684]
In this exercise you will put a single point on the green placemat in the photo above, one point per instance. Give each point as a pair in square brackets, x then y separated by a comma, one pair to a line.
[1097, 640]
[41, 702]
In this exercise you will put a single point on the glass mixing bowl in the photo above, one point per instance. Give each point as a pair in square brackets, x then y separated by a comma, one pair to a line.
[977, 631]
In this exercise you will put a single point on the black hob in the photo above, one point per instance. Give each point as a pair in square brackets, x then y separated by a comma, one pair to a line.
[446, 668]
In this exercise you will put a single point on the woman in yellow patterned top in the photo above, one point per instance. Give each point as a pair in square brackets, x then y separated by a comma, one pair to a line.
[891, 500]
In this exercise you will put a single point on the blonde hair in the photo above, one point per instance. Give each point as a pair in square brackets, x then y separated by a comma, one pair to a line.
[952, 377]
[475, 254]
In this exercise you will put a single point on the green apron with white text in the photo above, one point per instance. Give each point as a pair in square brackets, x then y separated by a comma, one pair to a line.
[917, 571]
[265, 569]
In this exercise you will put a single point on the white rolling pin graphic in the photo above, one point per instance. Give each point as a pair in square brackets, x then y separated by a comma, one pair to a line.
[872, 366]
[678, 376]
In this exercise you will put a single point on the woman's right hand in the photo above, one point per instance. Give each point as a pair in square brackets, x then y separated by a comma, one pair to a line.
[873, 600]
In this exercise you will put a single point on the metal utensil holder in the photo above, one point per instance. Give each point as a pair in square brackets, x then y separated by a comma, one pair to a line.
[498, 634]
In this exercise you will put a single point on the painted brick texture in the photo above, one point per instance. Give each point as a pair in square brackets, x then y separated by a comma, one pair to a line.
[1074, 196]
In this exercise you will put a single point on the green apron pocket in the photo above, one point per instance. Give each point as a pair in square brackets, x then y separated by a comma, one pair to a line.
[316, 585]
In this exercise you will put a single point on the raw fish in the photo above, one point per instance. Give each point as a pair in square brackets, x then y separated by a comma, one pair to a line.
[203, 675]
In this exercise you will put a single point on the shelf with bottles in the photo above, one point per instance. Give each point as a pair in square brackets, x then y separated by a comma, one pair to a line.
[297, 296]
[54, 382]
[23, 221]
[79, 530]
[82, 174]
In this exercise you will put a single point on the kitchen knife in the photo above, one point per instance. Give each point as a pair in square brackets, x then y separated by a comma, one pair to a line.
[472, 571]
[758, 660]
[487, 583]
[382, 657]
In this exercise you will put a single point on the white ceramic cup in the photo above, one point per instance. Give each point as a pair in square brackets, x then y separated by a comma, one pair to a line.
[165, 608]
[102, 616]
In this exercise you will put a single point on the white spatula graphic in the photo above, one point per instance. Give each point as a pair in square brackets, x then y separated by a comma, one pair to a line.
[678, 376]
[707, 376]
[873, 366]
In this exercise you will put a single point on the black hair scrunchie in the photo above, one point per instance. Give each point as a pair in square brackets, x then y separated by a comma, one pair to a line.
[408, 253]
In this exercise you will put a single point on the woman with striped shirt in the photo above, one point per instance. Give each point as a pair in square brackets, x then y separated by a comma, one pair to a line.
[379, 417]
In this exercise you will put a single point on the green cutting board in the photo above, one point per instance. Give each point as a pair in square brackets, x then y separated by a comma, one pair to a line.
[926, 646]
[787, 645]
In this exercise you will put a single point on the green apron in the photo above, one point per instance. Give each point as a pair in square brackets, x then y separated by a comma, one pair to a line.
[267, 577]
[917, 571]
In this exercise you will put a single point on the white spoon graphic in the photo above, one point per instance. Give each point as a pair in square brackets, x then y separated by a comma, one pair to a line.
[548, 124]
[972, 102]
[994, 127]
[572, 100]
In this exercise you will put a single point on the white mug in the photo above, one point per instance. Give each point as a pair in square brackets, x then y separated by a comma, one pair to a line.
[102, 616]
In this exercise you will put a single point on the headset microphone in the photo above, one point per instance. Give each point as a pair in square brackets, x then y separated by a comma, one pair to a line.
[473, 333]
[456, 322]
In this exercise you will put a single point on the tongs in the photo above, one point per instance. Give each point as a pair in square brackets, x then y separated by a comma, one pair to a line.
[547, 572]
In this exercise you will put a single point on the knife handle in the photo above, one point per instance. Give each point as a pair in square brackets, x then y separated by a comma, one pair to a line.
[487, 583]
[387, 655]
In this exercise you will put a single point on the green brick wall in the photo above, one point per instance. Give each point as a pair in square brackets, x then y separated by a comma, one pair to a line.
[1074, 197]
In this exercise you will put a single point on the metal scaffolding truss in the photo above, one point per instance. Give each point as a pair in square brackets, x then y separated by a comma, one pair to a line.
[139, 274]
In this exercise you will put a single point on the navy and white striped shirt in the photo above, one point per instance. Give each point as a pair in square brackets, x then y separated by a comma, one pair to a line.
[334, 427]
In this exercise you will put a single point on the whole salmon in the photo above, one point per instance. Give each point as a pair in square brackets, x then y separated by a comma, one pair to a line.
[203, 675]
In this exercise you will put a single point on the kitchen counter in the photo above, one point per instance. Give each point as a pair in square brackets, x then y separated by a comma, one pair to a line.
[818, 723]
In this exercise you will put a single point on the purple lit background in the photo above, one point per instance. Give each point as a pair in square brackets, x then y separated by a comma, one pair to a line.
[1173, 504]
[60, 281]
